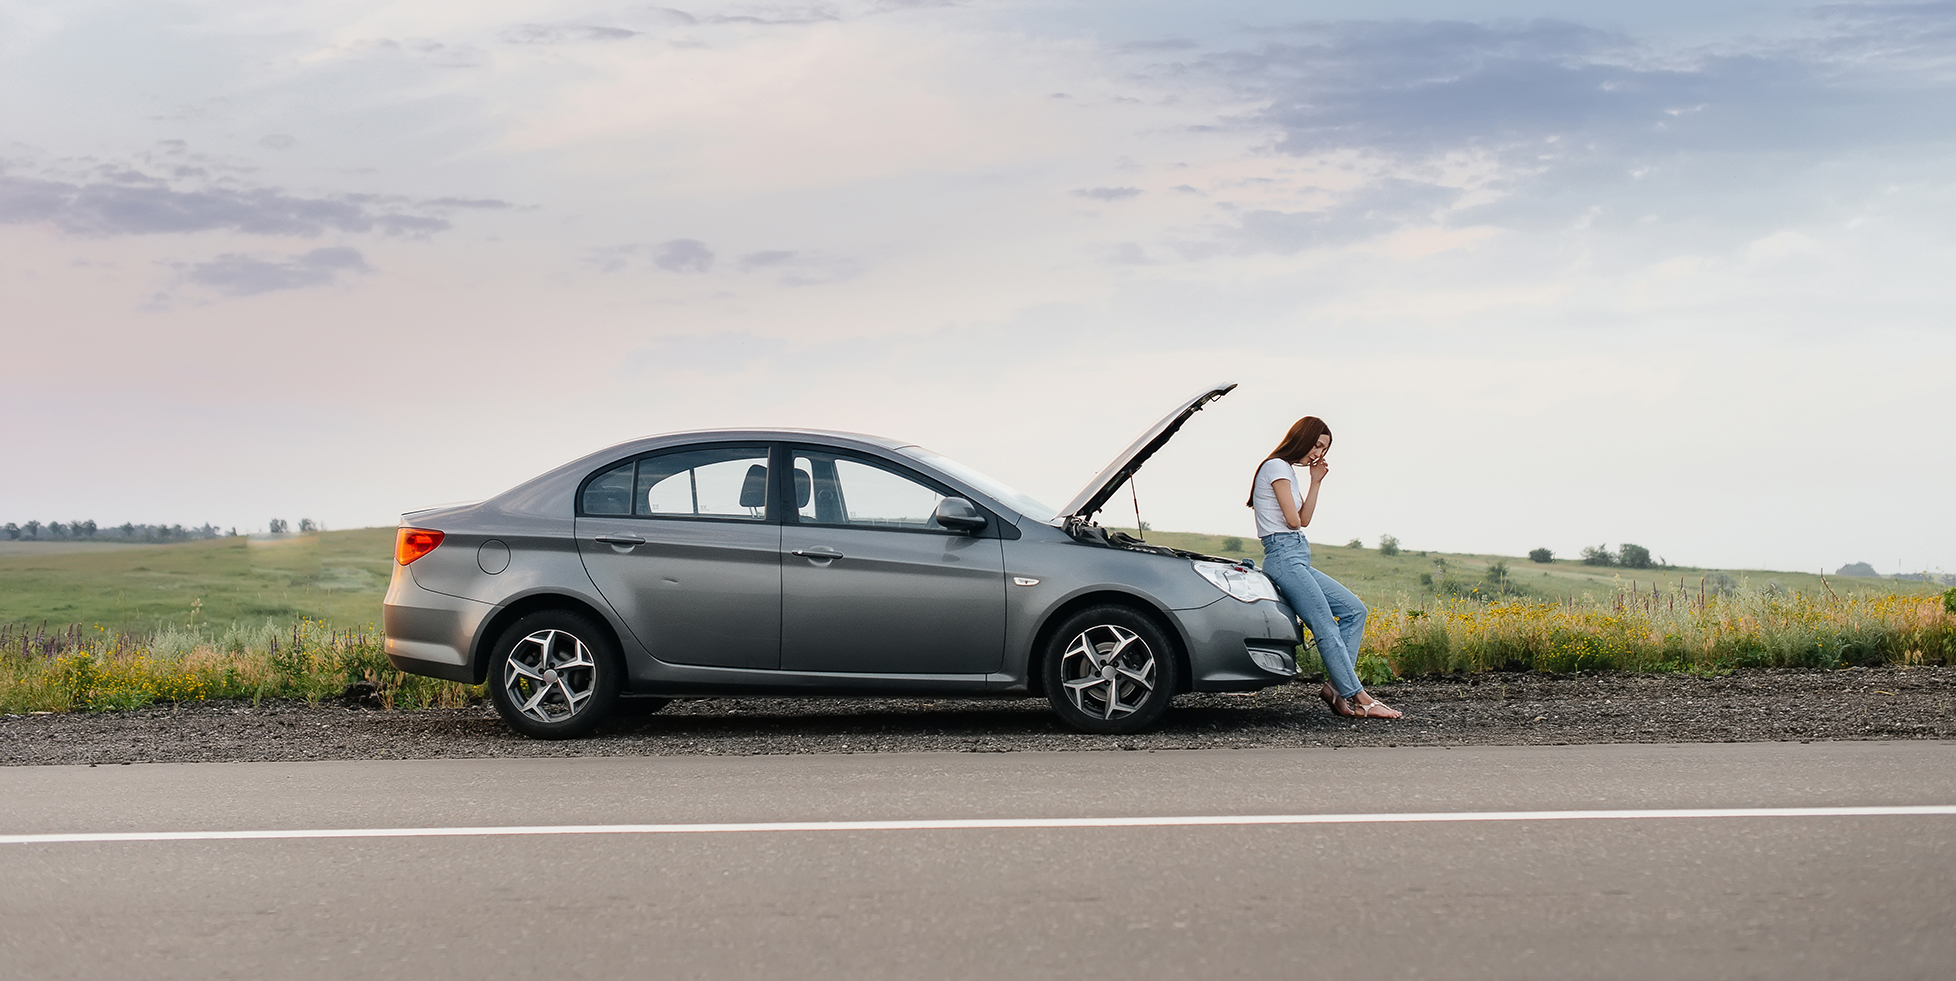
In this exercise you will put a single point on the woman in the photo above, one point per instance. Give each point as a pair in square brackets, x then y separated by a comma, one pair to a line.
[1335, 616]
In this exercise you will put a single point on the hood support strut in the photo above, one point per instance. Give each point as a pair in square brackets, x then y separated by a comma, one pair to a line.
[1082, 509]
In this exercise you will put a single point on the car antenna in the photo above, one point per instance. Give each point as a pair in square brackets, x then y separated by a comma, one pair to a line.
[1140, 530]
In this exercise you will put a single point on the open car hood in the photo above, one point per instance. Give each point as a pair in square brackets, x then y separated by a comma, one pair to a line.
[1104, 484]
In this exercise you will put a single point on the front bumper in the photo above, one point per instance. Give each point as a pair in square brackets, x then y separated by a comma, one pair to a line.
[1226, 640]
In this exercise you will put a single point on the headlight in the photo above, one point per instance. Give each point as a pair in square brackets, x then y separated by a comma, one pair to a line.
[1247, 585]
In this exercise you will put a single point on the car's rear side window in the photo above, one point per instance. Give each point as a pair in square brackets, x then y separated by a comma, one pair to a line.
[713, 482]
[721, 482]
[610, 493]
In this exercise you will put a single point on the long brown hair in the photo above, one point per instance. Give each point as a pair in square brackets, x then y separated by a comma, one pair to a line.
[1295, 446]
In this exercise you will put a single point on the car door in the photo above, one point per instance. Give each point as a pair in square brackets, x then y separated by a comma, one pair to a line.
[681, 543]
[871, 584]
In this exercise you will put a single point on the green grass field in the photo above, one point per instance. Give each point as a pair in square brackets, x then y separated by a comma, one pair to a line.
[336, 576]
[341, 576]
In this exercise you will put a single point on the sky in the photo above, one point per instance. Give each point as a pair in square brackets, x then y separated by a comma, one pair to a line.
[1556, 275]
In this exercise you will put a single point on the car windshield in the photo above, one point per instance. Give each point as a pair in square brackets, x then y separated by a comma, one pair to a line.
[998, 491]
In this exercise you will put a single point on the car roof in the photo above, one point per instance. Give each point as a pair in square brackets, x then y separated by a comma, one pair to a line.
[551, 492]
[698, 435]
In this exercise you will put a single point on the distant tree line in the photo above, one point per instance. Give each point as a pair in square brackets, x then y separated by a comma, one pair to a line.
[89, 531]
[1628, 556]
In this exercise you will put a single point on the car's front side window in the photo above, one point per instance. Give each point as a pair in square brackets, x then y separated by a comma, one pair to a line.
[833, 489]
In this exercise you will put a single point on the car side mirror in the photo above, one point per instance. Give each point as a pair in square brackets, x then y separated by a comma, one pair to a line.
[958, 514]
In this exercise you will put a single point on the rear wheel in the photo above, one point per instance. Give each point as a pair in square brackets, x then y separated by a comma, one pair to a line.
[1110, 669]
[554, 675]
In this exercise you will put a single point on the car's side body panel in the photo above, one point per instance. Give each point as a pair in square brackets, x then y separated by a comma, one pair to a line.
[858, 613]
[526, 552]
[695, 592]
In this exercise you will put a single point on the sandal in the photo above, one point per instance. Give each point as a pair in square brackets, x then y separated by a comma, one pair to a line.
[1364, 710]
[1338, 706]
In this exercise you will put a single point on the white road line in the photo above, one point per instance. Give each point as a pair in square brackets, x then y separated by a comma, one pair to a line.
[982, 824]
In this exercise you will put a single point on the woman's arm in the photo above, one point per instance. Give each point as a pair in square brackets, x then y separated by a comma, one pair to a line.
[1294, 516]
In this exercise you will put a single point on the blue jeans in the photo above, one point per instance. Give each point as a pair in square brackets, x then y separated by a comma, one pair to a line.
[1335, 616]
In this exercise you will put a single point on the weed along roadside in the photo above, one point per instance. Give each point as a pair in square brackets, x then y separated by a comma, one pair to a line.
[1667, 631]
[306, 661]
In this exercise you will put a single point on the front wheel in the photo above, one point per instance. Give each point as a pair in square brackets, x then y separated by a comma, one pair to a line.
[554, 675]
[1110, 669]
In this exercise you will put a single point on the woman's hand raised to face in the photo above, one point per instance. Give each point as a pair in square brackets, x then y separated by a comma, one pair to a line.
[1318, 470]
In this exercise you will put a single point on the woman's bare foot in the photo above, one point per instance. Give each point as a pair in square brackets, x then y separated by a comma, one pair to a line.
[1366, 707]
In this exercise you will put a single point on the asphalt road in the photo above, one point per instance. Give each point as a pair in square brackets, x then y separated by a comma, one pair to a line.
[1772, 895]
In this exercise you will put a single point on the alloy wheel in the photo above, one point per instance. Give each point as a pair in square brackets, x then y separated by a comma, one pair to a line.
[550, 675]
[1109, 671]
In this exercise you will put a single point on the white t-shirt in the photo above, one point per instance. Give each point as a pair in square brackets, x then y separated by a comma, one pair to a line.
[1263, 497]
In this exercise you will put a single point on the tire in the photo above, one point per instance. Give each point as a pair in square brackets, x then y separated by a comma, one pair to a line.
[1110, 669]
[554, 675]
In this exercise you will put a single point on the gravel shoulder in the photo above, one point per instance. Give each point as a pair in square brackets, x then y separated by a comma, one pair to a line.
[1492, 709]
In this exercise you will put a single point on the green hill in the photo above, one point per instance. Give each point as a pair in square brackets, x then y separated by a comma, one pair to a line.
[1394, 581]
[341, 576]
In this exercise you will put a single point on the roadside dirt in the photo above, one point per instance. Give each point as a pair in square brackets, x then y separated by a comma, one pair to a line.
[1495, 709]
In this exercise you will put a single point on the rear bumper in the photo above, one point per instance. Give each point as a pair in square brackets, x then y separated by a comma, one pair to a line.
[430, 633]
[1222, 636]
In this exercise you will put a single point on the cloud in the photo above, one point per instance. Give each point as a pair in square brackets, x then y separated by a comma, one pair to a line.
[119, 201]
[681, 255]
[787, 267]
[1426, 88]
[765, 260]
[435, 54]
[242, 275]
[486, 204]
[1542, 124]
[1377, 209]
[1107, 193]
[780, 14]
[684, 255]
[801, 268]
[565, 33]
[1168, 44]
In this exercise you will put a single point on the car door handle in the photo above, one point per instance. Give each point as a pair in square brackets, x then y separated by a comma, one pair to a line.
[817, 553]
[623, 541]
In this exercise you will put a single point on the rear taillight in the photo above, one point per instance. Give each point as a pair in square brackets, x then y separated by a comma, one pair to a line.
[413, 543]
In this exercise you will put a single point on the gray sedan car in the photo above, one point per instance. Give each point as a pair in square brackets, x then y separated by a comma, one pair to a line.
[791, 562]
